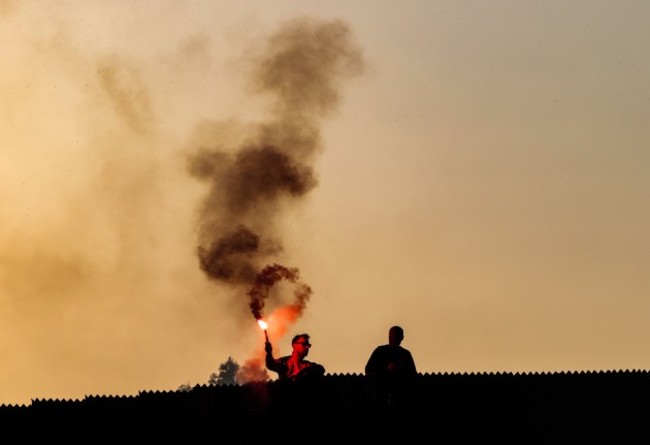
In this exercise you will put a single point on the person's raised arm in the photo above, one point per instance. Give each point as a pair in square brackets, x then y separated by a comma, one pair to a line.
[270, 361]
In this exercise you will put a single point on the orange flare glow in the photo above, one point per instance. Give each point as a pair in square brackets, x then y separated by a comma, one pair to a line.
[262, 324]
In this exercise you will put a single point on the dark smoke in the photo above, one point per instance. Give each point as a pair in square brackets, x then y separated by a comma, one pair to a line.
[300, 70]
[267, 278]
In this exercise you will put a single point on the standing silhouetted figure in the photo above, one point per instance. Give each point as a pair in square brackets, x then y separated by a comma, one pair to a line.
[392, 368]
[294, 366]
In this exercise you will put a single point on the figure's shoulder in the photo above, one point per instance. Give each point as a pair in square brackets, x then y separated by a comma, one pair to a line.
[310, 364]
[314, 368]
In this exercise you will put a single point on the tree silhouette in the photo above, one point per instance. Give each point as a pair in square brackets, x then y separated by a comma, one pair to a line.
[184, 387]
[227, 374]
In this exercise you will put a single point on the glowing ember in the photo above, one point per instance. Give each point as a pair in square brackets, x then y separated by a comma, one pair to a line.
[263, 325]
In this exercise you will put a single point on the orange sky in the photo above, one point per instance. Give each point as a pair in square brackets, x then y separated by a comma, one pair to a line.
[475, 172]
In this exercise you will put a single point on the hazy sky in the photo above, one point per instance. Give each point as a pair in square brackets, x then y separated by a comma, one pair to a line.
[476, 172]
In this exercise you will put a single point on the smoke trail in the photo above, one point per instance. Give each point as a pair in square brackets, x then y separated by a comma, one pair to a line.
[270, 167]
[267, 278]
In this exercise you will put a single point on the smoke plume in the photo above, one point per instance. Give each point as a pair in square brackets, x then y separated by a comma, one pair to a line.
[270, 167]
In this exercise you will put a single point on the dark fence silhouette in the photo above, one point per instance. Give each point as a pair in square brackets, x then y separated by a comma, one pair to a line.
[449, 408]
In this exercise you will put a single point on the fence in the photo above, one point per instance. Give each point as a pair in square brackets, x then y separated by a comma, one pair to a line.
[528, 408]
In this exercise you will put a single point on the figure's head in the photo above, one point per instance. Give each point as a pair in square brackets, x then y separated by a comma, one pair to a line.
[300, 344]
[395, 335]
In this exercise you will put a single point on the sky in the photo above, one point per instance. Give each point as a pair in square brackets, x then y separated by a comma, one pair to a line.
[475, 172]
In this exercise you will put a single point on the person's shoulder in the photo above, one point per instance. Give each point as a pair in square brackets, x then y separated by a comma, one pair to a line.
[314, 368]
[311, 364]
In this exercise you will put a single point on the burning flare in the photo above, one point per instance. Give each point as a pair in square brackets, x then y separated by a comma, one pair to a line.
[264, 325]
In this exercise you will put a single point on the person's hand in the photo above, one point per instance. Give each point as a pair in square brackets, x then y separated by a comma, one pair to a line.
[268, 347]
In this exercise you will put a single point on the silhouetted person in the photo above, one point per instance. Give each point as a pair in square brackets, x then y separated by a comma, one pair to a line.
[294, 367]
[392, 367]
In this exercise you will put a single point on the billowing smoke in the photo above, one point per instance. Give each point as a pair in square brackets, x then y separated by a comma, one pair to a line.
[255, 180]
[267, 278]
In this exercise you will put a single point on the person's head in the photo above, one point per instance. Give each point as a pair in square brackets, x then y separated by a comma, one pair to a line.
[300, 344]
[395, 335]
